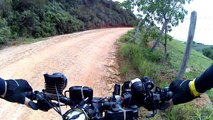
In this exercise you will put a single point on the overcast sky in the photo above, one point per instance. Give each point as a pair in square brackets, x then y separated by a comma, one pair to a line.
[204, 27]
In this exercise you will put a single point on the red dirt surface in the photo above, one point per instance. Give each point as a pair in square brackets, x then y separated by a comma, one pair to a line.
[86, 58]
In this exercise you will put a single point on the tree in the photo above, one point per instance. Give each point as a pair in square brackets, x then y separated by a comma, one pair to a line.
[4, 31]
[169, 13]
[22, 5]
[164, 12]
[5, 7]
[166, 38]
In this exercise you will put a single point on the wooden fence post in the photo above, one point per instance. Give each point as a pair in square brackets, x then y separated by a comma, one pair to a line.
[190, 38]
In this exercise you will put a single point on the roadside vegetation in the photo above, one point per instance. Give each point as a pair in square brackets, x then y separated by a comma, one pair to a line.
[150, 51]
[23, 20]
[138, 60]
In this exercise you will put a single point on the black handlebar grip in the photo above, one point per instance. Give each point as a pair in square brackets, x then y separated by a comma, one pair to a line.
[30, 104]
[65, 100]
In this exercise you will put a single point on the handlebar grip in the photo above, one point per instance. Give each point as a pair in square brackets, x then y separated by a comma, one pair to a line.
[30, 96]
[42, 102]
[36, 95]
[30, 104]
[64, 100]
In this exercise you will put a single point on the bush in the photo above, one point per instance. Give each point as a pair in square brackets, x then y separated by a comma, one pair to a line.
[5, 32]
[208, 52]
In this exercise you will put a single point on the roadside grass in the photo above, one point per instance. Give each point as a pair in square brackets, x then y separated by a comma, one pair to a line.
[142, 62]
[187, 111]
[23, 40]
[196, 65]
[197, 61]
[182, 112]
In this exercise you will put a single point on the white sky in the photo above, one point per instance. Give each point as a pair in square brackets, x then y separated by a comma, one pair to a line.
[204, 27]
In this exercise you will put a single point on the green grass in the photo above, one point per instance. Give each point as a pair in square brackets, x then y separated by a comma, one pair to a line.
[187, 112]
[143, 62]
[197, 62]
[199, 46]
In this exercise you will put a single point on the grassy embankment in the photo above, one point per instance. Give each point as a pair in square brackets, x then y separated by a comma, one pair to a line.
[136, 61]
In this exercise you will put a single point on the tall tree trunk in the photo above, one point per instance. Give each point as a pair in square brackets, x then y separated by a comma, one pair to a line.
[165, 44]
[135, 39]
[190, 38]
[161, 33]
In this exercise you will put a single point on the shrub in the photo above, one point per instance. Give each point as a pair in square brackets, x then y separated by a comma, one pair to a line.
[208, 52]
[5, 32]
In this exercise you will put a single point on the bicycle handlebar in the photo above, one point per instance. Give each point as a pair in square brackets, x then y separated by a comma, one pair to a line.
[122, 104]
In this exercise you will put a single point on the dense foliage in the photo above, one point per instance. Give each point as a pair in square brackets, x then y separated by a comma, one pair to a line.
[4, 31]
[168, 13]
[208, 52]
[42, 18]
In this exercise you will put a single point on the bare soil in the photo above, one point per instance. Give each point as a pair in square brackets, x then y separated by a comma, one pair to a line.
[86, 58]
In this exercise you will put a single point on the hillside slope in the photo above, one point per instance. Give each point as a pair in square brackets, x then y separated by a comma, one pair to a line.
[137, 61]
[197, 62]
[100, 13]
[42, 18]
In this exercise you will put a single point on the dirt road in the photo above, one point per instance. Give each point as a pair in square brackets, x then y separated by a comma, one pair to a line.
[86, 58]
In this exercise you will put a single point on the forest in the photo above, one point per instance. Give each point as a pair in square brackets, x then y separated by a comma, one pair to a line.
[43, 18]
